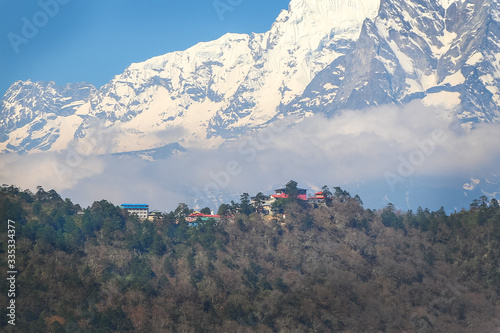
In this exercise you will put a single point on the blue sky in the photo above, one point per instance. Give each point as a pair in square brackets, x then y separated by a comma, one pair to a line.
[93, 40]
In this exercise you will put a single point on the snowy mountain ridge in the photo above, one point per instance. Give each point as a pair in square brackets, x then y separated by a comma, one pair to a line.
[318, 56]
[209, 91]
[448, 58]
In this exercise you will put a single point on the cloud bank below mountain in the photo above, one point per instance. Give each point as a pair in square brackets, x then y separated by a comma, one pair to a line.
[382, 152]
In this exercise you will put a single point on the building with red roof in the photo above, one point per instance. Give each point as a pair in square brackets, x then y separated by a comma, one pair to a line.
[281, 193]
[318, 198]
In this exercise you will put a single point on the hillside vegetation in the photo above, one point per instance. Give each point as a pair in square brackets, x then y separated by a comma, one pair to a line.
[324, 268]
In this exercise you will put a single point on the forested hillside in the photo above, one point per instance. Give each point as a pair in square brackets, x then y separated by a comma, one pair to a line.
[326, 268]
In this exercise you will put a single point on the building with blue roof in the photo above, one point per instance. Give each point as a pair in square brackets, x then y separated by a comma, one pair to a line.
[141, 210]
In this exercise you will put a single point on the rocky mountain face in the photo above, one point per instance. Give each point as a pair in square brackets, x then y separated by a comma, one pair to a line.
[41, 116]
[319, 56]
[445, 53]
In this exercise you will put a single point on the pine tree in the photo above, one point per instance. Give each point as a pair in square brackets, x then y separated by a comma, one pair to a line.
[245, 205]
[259, 201]
[206, 211]
[292, 190]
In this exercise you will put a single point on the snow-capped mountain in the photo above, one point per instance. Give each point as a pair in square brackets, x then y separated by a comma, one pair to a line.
[444, 52]
[215, 90]
[319, 56]
[41, 116]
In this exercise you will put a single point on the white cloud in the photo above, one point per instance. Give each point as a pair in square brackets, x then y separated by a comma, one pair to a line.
[51, 170]
[354, 147]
